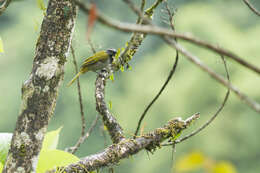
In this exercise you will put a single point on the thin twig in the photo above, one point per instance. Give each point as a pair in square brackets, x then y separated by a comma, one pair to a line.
[253, 104]
[83, 122]
[83, 138]
[212, 118]
[251, 7]
[170, 15]
[164, 85]
[128, 27]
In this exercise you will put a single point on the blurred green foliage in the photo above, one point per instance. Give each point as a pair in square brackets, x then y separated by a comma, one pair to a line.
[233, 136]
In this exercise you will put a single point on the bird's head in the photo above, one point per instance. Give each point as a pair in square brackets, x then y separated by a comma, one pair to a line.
[111, 52]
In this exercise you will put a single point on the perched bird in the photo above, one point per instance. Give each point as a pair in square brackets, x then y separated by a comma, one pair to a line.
[98, 61]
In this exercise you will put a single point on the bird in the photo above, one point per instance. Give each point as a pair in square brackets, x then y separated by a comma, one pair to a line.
[96, 62]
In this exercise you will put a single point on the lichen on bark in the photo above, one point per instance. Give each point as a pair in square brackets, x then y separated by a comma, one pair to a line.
[39, 92]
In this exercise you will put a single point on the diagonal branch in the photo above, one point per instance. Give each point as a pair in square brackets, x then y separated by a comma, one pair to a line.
[128, 27]
[251, 7]
[128, 147]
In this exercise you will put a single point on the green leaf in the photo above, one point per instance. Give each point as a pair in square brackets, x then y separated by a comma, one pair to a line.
[1, 167]
[111, 77]
[51, 159]
[41, 5]
[1, 46]
[5, 141]
[51, 139]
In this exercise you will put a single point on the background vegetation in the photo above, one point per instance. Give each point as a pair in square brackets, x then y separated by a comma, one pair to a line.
[233, 136]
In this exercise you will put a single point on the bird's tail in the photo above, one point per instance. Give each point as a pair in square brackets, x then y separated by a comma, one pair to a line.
[73, 80]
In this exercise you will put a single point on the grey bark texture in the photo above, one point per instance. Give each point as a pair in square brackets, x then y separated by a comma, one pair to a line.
[113, 127]
[39, 92]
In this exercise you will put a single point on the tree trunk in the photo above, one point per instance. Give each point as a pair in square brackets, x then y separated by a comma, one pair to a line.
[39, 92]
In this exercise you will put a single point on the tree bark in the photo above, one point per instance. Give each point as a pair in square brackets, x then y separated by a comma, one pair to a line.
[39, 92]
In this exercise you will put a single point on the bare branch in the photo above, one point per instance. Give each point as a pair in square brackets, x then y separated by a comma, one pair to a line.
[128, 147]
[254, 105]
[83, 121]
[114, 129]
[251, 7]
[127, 27]
[4, 6]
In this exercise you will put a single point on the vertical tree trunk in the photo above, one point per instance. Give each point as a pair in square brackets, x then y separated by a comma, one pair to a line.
[39, 92]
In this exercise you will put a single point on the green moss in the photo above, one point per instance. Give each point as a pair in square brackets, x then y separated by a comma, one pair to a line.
[22, 150]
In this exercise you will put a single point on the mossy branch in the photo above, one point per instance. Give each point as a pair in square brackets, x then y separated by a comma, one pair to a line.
[128, 147]
[137, 38]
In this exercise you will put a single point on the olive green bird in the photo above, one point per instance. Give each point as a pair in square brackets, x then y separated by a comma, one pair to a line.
[96, 62]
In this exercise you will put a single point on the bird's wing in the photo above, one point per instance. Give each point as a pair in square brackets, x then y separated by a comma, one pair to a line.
[99, 56]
